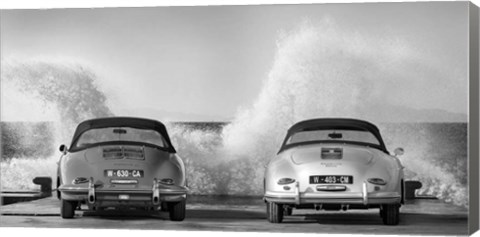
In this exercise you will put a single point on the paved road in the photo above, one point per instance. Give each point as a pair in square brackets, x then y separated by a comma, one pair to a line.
[422, 217]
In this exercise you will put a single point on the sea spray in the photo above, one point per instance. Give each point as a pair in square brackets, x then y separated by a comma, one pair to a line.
[322, 71]
[36, 91]
[435, 154]
[71, 88]
[319, 71]
[210, 168]
[26, 139]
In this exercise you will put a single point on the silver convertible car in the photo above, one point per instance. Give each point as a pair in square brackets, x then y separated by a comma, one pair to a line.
[334, 164]
[121, 163]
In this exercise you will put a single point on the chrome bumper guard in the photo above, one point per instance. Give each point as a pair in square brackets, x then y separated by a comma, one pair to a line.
[297, 193]
[91, 191]
[365, 193]
[155, 192]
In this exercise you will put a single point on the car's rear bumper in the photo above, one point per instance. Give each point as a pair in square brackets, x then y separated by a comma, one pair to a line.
[334, 197]
[130, 196]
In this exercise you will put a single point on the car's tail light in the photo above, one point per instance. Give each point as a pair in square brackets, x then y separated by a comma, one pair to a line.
[284, 181]
[377, 181]
[80, 180]
[167, 181]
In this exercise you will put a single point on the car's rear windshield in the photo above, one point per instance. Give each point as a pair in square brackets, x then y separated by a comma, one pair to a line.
[121, 134]
[331, 135]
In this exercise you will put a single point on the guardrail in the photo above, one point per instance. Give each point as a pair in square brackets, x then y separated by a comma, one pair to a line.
[13, 196]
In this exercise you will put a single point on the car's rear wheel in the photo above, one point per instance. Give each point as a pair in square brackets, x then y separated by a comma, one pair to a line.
[177, 210]
[391, 214]
[67, 209]
[274, 212]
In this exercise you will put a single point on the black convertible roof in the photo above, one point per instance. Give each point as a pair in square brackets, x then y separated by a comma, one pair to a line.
[335, 123]
[140, 123]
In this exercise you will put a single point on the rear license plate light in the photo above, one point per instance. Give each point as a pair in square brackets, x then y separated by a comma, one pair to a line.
[123, 196]
[124, 181]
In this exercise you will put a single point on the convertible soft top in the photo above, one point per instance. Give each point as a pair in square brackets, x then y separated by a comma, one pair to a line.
[335, 123]
[140, 123]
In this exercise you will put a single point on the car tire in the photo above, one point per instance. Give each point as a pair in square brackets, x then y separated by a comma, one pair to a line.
[274, 212]
[177, 210]
[391, 214]
[67, 209]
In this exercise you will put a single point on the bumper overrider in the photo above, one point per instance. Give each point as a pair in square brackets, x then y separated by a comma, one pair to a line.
[333, 197]
[97, 194]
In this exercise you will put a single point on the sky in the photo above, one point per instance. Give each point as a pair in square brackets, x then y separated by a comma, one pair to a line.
[209, 61]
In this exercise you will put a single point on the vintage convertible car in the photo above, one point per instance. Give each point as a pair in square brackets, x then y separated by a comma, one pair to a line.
[334, 164]
[121, 163]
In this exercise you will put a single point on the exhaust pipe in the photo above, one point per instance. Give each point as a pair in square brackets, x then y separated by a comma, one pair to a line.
[91, 191]
[155, 193]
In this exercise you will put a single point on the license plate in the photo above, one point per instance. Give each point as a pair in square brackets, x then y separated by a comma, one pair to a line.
[331, 179]
[124, 173]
